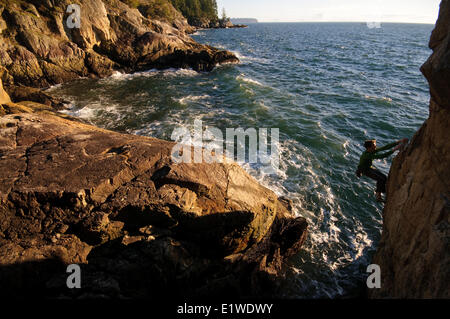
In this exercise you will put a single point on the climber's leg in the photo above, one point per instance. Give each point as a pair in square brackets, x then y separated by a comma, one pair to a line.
[379, 177]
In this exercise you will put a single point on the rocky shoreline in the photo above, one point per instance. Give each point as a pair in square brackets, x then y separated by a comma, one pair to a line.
[38, 50]
[139, 225]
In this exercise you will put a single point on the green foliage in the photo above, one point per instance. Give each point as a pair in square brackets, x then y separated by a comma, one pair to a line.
[192, 10]
[132, 3]
[224, 14]
[195, 10]
[154, 9]
[158, 9]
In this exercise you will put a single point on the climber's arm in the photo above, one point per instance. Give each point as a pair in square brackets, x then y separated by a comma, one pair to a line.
[384, 155]
[387, 147]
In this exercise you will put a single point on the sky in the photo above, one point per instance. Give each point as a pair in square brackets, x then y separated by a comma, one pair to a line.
[410, 11]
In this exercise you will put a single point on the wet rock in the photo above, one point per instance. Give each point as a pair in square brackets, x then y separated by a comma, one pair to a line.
[117, 204]
[37, 49]
[27, 94]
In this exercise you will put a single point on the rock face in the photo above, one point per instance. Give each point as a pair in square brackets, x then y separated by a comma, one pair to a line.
[4, 97]
[38, 48]
[164, 11]
[138, 224]
[414, 252]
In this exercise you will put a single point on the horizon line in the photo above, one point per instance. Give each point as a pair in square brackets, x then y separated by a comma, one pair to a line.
[337, 21]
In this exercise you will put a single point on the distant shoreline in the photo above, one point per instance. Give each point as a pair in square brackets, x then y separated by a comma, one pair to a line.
[344, 22]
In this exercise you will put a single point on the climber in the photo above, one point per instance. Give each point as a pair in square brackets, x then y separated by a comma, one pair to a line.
[372, 152]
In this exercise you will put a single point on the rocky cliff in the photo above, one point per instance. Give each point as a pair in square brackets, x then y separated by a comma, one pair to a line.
[164, 11]
[139, 225]
[414, 252]
[4, 97]
[39, 48]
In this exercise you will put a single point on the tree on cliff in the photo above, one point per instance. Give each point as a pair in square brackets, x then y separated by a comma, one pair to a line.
[155, 9]
[197, 10]
[224, 14]
[224, 21]
[193, 10]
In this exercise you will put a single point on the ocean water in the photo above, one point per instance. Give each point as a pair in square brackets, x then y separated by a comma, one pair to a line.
[327, 87]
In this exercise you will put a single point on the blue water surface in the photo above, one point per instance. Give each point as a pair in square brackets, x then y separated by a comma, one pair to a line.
[327, 87]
